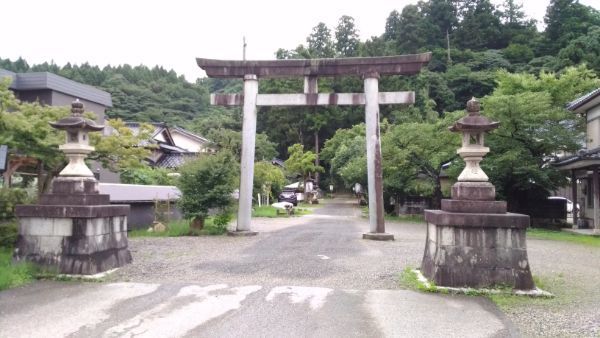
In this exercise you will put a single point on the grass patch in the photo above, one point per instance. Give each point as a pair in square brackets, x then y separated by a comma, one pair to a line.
[501, 295]
[406, 218]
[556, 286]
[410, 280]
[182, 228]
[271, 212]
[394, 218]
[563, 236]
[13, 275]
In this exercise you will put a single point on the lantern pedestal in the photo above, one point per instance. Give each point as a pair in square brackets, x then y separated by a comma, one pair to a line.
[476, 243]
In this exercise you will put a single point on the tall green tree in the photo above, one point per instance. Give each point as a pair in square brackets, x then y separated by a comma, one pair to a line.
[584, 49]
[268, 179]
[346, 37]
[413, 155]
[301, 163]
[122, 149]
[534, 126]
[320, 43]
[567, 20]
[392, 26]
[480, 27]
[411, 34]
[345, 153]
[25, 128]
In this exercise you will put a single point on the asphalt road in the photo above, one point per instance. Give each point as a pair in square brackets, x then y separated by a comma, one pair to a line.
[309, 276]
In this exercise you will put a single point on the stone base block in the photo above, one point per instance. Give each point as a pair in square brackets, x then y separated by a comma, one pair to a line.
[474, 191]
[71, 244]
[74, 185]
[378, 236]
[476, 257]
[468, 206]
[244, 233]
[71, 199]
[477, 220]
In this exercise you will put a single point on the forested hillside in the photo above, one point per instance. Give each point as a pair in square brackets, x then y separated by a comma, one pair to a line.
[475, 44]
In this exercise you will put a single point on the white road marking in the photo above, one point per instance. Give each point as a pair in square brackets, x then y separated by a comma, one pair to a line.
[172, 320]
[323, 257]
[300, 294]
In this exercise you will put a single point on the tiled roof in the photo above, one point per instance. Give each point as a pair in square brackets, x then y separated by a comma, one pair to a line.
[583, 154]
[583, 99]
[190, 134]
[174, 160]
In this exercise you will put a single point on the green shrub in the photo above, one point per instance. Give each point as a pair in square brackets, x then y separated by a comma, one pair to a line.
[9, 198]
[147, 176]
[207, 183]
[221, 220]
[12, 275]
[8, 234]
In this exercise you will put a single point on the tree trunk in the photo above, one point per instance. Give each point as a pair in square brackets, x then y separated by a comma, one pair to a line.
[40, 177]
[317, 175]
[436, 203]
[197, 224]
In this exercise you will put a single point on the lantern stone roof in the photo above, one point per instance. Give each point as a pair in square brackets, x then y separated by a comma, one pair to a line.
[474, 121]
[76, 120]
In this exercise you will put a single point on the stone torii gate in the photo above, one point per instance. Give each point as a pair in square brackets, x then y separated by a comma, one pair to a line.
[370, 68]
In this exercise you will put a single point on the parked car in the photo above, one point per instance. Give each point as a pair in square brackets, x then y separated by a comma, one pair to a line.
[288, 195]
[569, 203]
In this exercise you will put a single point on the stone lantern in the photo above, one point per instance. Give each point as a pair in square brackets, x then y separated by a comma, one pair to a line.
[77, 145]
[74, 229]
[473, 128]
[473, 241]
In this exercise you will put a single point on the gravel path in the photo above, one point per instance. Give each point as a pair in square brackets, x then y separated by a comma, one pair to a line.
[572, 273]
[326, 250]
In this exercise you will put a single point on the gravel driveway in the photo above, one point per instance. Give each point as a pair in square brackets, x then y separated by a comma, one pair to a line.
[326, 250]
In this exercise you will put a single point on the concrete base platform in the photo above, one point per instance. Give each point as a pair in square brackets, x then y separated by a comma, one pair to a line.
[378, 236]
[245, 233]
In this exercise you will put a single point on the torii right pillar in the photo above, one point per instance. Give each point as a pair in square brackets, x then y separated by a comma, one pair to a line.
[374, 171]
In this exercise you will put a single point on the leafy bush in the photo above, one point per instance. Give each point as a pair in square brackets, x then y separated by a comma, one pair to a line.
[222, 219]
[207, 183]
[268, 179]
[12, 275]
[518, 53]
[8, 234]
[9, 198]
[147, 176]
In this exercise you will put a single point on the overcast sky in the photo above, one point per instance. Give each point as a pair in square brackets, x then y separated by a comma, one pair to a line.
[172, 33]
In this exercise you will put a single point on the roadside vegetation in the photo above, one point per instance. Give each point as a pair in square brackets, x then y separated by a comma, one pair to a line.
[406, 218]
[13, 275]
[182, 228]
[271, 212]
[545, 234]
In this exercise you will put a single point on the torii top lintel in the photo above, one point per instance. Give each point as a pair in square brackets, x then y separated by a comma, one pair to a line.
[384, 65]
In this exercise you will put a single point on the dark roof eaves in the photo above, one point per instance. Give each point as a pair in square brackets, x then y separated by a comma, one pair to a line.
[580, 101]
[46, 80]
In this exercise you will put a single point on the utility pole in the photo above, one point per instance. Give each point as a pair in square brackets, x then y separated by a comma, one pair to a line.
[244, 53]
